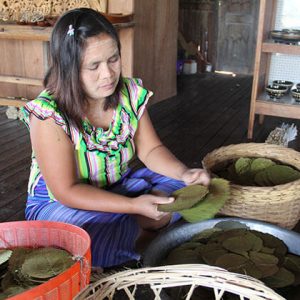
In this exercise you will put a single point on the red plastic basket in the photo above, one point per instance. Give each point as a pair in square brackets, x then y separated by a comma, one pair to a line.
[43, 234]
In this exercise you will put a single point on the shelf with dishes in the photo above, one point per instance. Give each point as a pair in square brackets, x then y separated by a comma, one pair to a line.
[285, 108]
[281, 98]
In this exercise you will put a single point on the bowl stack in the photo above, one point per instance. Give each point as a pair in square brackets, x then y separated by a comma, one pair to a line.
[279, 88]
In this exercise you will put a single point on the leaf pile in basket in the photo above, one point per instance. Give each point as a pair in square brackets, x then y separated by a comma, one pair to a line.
[244, 251]
[198, 202]
[24, 268]
[258, 172]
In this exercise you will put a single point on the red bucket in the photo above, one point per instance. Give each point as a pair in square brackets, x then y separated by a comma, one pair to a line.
[47, 234]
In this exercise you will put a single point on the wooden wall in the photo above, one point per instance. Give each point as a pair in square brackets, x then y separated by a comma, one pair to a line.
[24, 58]
[155, 46]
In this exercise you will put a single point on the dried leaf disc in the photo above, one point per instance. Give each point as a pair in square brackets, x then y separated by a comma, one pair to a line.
[270, 241]
[231, 261]
[211, 257]
[185, 198]
[212, 203]
[267, 250]
[262, 179]
[224, 235]
[237, 244]
[206, 234]
[292, 263]
[280, 174]
[266, 263]
[280, 279]
[243, 165]
[260, 163]
[46, 263]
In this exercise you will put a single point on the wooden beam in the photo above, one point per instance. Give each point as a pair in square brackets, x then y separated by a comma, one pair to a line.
[25, 32]
[12, 102]
[21, 80]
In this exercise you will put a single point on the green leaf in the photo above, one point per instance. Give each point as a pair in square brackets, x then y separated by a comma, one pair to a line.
[185, 198]
[207, 208]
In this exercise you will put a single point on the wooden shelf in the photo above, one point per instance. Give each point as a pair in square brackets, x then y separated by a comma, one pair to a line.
[271, 47]
[37, 33]
[285, 107]
[261, 104]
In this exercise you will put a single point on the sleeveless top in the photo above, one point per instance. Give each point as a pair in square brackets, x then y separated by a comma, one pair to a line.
[102, 156]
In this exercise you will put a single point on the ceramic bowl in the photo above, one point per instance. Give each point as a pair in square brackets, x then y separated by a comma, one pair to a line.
[276, 91]
[284, 83]
[296, 94]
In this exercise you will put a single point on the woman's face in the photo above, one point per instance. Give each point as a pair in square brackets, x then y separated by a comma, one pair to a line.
[100, 67]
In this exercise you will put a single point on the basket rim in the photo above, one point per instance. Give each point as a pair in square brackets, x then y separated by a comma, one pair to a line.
[219, 279]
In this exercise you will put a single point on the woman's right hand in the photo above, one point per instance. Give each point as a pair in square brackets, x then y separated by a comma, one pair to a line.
[146, 205]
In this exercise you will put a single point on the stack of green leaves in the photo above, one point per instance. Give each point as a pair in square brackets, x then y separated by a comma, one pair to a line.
[24, 268]
[244, 251]
[258, 172]
[197, 202]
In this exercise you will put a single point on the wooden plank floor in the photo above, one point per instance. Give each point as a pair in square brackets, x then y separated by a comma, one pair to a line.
[209, 111]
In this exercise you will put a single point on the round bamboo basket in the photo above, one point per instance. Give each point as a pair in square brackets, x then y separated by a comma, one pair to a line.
[190, 275]
[278, 204]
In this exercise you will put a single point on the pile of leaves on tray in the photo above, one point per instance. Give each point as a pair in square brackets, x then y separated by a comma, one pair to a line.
[197, 202]
[241, 250]
[24, 268]
[258, 172]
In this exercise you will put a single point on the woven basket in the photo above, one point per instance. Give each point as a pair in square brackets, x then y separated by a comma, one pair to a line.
[278, 204]
[191, 275]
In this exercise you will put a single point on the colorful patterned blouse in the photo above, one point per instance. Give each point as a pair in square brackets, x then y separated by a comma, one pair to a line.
[101, 156]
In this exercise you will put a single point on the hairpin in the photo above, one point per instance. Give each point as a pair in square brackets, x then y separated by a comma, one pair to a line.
[71, 30]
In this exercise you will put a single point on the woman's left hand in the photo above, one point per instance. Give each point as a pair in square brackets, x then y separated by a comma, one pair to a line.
[196, 176]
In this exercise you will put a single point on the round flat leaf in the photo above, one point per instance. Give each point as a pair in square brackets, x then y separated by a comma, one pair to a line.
[205, 234]
[280, 174]
[185, 198]
[211, 257]
[280, 279]
[242, 243]
[261, 178]
[267, 250]
[46, 262]
[249, 269]
[212, 203]
[270, 241]
[224, 235]
[229, 225]
[231, 261]
[260, 163]
[292, 263]
[266, 263]
[243, 165]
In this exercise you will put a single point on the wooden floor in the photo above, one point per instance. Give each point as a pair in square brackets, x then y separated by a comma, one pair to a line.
[208, 112]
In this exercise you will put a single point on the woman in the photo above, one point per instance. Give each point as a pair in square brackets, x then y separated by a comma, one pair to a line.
[85, 127]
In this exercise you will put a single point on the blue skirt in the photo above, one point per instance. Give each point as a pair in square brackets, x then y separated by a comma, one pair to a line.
[113, 235]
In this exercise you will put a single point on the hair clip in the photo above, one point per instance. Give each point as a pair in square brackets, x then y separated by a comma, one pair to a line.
[71, 30]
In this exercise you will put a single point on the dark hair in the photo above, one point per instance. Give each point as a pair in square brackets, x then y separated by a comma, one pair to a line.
[63, 77]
